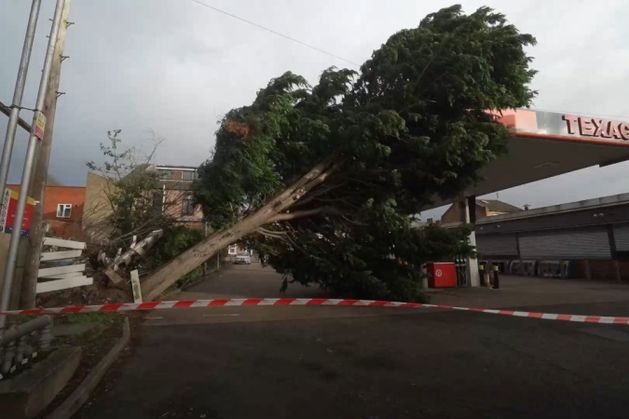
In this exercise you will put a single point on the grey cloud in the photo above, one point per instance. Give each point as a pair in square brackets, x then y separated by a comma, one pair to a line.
[175, 67]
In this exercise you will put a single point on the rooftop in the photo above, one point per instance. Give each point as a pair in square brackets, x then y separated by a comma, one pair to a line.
[497, 205]
[172, 167]
[601, 202]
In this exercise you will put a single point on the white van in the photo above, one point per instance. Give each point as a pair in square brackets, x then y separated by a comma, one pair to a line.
[242, 260]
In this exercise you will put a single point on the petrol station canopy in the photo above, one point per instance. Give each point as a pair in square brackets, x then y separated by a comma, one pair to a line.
[547, 144]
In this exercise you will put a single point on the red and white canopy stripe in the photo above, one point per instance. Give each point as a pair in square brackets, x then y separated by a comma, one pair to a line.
[235, 302]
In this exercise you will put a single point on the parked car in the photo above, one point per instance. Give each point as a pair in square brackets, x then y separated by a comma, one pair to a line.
[242, 260]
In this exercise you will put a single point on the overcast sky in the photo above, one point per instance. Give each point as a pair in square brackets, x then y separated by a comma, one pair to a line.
[174, 67]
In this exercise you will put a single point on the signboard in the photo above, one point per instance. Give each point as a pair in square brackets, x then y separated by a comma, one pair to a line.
[135, 286]
[7, 214]
[582, 128]
[40, 125]
[596, 127]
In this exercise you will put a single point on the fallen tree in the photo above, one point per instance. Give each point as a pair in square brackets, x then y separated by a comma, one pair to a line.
[324, 181]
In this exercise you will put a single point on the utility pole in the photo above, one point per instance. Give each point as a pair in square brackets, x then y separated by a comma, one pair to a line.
[9, 271]
[14, 112]
[40, 174]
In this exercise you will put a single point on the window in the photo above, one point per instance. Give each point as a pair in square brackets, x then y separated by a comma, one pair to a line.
[188, 175]
[187, 207]
[64, 210]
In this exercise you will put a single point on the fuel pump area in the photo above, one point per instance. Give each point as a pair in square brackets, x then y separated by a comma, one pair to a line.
[584, 239]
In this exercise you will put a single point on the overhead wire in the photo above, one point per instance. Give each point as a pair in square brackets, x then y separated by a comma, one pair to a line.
[274, 32]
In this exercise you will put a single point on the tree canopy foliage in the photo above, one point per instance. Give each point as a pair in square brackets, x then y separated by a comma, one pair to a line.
[411, 126]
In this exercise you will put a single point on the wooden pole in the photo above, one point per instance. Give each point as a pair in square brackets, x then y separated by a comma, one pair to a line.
[40, 175]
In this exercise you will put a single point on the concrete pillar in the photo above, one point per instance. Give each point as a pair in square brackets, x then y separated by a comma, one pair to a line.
[469, 217]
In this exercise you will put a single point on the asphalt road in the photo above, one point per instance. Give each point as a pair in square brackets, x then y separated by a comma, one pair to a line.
[348, 362]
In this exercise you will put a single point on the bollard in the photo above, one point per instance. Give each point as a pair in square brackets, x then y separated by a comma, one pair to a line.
[484, 274]
[8, 354]
[496, 276]
[21, 342]
[46, 335]
[21, 349]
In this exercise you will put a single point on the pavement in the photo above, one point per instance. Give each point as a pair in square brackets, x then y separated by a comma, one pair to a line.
[362, 362]
[520, 291]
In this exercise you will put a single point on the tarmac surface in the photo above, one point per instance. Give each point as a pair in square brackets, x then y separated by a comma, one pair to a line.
[360, 362]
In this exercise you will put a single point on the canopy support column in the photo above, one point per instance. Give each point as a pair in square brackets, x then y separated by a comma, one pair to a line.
[468, 206]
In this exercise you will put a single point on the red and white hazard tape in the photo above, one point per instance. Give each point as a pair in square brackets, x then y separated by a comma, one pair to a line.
[235, 302]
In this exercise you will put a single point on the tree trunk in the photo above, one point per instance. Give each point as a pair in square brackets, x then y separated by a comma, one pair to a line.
[168, 274]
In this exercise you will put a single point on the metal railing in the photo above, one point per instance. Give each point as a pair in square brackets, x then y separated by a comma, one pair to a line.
[23, 342]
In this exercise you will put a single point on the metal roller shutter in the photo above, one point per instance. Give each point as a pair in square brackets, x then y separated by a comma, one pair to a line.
[574, 244]
[500, 245]
[621, 235]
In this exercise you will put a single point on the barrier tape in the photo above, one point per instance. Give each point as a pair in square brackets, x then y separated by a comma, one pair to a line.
[237, 302]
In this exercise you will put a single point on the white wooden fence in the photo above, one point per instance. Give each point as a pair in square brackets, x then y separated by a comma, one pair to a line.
[62, 272]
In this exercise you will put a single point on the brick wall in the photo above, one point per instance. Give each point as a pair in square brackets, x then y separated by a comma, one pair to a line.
[603, 270]
[455, 213]
[68, 228]
[175, 203]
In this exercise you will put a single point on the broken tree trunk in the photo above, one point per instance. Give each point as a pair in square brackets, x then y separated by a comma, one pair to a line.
[137, 249]
[199, 253]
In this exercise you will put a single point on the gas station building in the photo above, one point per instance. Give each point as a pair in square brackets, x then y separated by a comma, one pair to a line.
[592, 234]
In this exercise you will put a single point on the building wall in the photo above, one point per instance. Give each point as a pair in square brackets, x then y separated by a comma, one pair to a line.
[174, 173]
[68, 228]
[174, 206]
[455, 214]
[176, 185]
[551, 221]
[596, 239]
[91, 208]
[97, 207]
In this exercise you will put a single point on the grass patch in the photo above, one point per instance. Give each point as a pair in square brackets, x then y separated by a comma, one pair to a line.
[106, 318]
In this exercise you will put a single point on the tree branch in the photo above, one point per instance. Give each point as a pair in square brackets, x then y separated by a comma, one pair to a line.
[281, 235]
[303, 213]
[318, 192]
[337, 201]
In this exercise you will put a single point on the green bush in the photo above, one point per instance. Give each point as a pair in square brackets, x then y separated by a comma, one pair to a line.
[175, 240]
